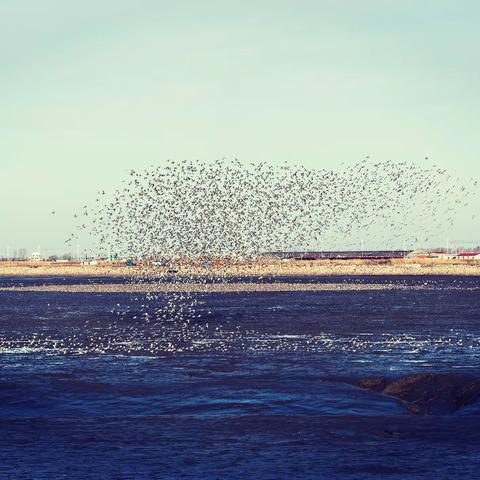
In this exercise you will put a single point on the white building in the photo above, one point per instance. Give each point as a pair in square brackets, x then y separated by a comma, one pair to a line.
[35, 257]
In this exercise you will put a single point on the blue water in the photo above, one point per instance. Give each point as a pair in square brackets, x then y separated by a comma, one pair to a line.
[257, 387]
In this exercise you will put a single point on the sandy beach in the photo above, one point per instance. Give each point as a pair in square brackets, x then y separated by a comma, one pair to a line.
[274, 268]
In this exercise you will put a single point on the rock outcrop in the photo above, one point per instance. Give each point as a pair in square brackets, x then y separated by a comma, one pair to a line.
[428, 393]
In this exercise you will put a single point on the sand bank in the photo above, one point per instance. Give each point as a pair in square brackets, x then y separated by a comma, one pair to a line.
[222, 287]
[291, 268]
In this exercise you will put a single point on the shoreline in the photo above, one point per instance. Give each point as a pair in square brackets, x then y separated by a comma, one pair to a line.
[406, 267]
[234, 287]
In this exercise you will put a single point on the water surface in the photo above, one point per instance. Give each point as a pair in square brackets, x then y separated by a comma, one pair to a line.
[253, 388]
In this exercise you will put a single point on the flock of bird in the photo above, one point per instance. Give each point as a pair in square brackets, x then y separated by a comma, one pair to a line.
[190, 211]
[140, 338]
[184, 216]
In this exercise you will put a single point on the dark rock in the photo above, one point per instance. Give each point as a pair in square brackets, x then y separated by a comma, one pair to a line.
[428, 393]
[433, 393]
[377, 384]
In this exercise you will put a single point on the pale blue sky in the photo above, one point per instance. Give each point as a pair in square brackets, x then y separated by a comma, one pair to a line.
[91, 89]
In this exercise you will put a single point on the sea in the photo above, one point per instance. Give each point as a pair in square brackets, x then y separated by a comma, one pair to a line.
[258, 385]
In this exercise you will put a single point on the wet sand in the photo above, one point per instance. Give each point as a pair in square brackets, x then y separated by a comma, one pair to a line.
[210, 287]
[221, 287]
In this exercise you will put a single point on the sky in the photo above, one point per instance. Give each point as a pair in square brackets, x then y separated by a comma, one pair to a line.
[92, 89]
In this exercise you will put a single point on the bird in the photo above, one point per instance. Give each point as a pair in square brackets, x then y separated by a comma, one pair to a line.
[175, 218]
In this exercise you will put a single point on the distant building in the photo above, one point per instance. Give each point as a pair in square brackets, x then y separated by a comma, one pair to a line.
[89, 262]
[468, 255]
[340, 255]
[441, 254]
[35, 257]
